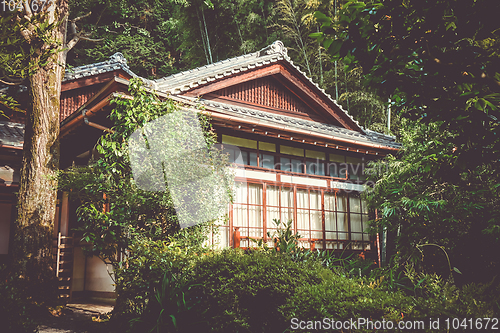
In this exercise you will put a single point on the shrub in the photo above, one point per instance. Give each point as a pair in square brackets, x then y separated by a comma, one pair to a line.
[148, 264]
[17, 309]
[242, 292]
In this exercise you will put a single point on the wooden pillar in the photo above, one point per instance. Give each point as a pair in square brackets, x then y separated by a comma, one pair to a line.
[64, 222]
[57, 218]
[264, 211]
[323, 217]
[237, 237]
[230, 227]
[295, 208]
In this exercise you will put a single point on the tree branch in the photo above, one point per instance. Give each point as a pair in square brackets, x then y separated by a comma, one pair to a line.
[77, 36]
[27, 9]
[92, 39]
[9, 83]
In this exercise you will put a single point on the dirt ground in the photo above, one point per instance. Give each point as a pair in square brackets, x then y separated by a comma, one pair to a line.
[78, 318]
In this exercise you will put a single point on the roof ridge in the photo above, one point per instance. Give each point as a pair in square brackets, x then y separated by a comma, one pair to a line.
[115, 61]
[276, 51]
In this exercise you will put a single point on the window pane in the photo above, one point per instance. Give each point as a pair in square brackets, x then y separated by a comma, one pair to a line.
[286, 197]
[321, 169]
[291, 151]
[316, 220]
[285, 164]
[315, 154]
[334, 170]
[296, 166]
[240, 216]
[315, 168]
[240, 193]
[253, 159]
[337, 158]
[272, 195]
[354, 160]
[329, 201]
[302, 199]
[244, 157]
[255, 194]
[315, 200]
[342, 223]
[267, 161]
[267, 146]
[356, 223]
[240, 142]
[364, 206]
[341, 202]
[354, 204]
[302, 220]
[330, 222]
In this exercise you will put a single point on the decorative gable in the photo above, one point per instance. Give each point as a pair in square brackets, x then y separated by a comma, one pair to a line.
[267, 94]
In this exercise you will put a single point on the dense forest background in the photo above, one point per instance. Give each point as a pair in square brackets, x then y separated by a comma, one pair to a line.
[160, 38]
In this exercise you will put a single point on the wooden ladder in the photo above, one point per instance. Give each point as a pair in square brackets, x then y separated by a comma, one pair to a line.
[64, 265]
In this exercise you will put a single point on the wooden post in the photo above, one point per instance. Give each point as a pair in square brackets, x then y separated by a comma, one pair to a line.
[237, 237]
[64, 227]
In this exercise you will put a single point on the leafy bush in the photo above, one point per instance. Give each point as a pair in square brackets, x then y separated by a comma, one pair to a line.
[17, 309]
[242, 292]
[142, 274]
[344, 298]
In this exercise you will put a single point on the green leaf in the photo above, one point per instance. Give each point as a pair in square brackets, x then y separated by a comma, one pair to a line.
[334, 47]
[316, 35]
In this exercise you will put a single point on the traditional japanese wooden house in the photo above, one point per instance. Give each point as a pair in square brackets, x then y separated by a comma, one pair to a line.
[301, 156]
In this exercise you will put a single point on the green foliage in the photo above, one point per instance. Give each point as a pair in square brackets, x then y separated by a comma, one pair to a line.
[285, 241]
[343, 298]
[116, 217]
[18, 311]
[242, 292]
[437, 60]
[439, 63]
[422, 200]
[20, 58]
[163, 38]
[151, 278]
[132, 212]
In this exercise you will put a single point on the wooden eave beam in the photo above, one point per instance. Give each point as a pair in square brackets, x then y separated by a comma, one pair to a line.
[102, 97]
[79, 118]
[284, 131]
[93, 80]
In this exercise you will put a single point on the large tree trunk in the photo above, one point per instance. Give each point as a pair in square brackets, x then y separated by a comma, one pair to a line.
[38, 184]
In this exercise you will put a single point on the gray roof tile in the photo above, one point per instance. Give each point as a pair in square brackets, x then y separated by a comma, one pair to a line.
[11, 134]
[184, 81]
[312, 126]
[115, 62]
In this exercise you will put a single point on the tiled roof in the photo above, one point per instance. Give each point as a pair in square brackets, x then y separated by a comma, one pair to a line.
[311, 126]
[11, 134]
[184, 81]
[116, 61]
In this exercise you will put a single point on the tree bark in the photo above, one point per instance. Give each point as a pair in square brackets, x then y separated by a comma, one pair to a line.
[38, 184]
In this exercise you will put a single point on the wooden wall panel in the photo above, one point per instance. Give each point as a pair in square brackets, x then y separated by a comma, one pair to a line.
[71, 100]
[268, 92]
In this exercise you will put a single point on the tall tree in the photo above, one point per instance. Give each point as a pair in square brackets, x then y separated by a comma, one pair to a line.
[439, 60]
[38, 61]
